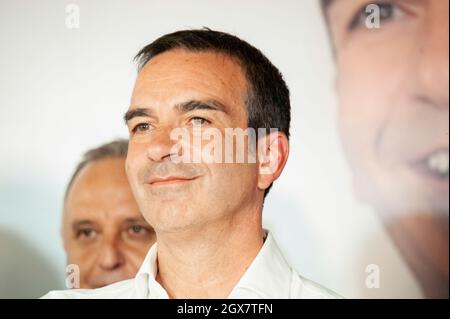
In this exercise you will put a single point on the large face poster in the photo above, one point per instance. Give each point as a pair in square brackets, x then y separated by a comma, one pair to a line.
[356, 96]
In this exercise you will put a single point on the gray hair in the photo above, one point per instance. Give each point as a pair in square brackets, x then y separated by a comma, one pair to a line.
[115, 149]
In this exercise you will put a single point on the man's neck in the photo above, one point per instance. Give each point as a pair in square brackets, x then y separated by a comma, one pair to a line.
[207, 262]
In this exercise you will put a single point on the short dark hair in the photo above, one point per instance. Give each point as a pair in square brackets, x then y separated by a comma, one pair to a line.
[115, 149]
[268, 104]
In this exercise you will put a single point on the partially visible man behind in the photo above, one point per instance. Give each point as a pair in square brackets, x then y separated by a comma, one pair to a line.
[103, 230]
[392, 62]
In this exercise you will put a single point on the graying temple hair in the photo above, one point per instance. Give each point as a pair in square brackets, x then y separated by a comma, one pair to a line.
[115, 149]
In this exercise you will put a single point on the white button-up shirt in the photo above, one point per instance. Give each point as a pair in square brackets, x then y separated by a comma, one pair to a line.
[269, 277]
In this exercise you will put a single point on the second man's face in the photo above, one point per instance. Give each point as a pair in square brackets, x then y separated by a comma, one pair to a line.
[394, 108]
[103, 230]
[181, 89]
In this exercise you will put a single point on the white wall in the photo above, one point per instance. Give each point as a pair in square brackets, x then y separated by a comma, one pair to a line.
[65, 90]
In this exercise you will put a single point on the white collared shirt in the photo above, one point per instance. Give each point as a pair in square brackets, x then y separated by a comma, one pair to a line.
[268, 277]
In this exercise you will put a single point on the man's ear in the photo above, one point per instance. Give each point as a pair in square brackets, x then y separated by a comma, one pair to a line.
[273, 152]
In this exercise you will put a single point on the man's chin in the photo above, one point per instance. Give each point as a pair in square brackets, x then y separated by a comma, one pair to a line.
[430, 194]
[403, 194]
[419, 204]
[178, 222]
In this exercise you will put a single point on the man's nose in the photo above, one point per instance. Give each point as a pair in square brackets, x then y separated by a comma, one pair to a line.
[433, 60]
[161, 147]
[110, 256]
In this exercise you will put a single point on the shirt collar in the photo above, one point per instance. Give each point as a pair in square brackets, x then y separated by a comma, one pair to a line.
[145, 280]
[268, 276]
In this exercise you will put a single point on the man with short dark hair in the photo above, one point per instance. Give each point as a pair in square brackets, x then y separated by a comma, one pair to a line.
[103, 231]
[208, 87]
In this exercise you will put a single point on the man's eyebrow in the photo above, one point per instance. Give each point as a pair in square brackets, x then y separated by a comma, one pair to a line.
[192, 105]
[183, 107]
[80, 223]
[140, 111]
[135, 220]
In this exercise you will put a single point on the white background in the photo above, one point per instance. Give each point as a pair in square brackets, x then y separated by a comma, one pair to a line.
[65, 90]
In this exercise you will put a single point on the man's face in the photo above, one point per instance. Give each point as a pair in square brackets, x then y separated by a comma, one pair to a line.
[103, 230]
[394, 107]
[180, 89]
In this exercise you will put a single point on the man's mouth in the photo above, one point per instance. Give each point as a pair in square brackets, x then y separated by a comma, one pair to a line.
[169, 180]
[435, 164]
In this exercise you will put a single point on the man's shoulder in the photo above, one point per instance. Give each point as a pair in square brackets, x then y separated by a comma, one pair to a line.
[303, 288]
[119, 290]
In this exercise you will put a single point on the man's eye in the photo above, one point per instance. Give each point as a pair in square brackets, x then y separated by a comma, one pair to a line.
[137, 230]
[141, 127]
[87, 233]
[387, 11]
[196, 121]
